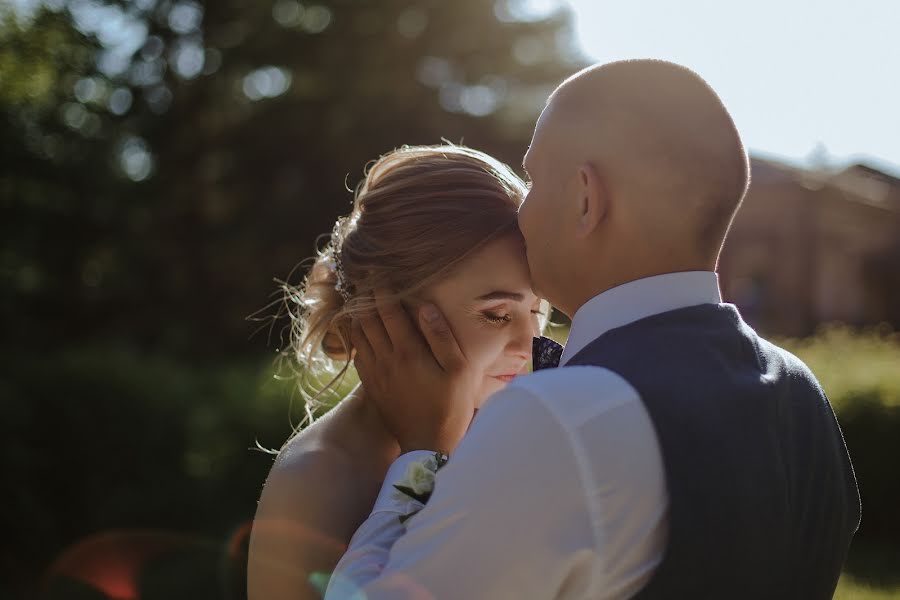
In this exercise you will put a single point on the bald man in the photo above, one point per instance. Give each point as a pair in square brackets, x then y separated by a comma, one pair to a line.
[674, 453]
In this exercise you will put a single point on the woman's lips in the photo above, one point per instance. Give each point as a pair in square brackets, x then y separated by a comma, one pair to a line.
[505, 378]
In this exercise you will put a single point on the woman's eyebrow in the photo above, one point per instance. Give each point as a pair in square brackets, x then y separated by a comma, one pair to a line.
[501, 295]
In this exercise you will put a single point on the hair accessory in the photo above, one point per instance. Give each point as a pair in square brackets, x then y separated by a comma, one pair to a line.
[341, 285]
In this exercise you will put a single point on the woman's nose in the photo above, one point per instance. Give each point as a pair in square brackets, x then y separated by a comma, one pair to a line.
[521, 341]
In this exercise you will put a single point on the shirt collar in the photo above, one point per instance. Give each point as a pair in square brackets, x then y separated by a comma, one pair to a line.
[637, 300]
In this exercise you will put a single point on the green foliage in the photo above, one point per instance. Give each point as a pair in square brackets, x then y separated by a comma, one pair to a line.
[161, 163]
[851, 364]
[850, 588]
[164, 219]
[110, 439]
[57, 191]
[34, 62]
[860, 373]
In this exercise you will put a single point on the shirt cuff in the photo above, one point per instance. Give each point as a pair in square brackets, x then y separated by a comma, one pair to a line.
[387, 497]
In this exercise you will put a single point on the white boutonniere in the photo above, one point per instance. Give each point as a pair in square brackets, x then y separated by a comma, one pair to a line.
[418, 482]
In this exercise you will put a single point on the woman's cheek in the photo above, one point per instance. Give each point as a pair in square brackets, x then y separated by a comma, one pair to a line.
[466, 336]
[471, 343]
[490, 347]
[472, 347]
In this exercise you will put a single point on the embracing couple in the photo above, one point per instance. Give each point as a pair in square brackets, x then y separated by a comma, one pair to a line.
[667, 451]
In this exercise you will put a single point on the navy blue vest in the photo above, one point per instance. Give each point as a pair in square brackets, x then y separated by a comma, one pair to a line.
[763, 501]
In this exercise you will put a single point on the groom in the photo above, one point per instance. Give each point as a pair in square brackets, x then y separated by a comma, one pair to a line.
[675, 454]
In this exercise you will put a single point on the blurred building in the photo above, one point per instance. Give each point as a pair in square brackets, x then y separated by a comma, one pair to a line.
[810, 247]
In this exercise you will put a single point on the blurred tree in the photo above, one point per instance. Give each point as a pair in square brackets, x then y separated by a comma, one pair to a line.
[161, 161]
[165, 160]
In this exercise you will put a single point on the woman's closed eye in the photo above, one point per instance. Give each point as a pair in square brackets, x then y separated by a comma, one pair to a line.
[496, 318]
[501, 318]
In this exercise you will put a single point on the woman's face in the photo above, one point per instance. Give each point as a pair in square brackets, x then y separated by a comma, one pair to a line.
[492, 311]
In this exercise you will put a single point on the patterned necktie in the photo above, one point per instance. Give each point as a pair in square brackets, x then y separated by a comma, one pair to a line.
[545, 353]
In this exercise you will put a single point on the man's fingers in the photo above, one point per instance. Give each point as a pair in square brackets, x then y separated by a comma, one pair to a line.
[400, 328]
[376, 334]
[443, 343]
[364, 357]
[365, 370]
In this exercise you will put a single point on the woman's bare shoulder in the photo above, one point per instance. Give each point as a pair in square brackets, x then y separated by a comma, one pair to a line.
[304, 462]
[302, 522]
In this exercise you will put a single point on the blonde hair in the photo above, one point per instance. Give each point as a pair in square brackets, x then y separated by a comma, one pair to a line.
[419, 213]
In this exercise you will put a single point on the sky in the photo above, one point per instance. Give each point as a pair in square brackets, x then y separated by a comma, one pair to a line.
[795, 74]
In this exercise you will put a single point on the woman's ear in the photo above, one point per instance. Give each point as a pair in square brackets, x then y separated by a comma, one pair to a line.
[593, 200]
[336, 341]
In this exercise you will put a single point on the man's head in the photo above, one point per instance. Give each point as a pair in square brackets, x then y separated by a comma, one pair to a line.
[637, 169]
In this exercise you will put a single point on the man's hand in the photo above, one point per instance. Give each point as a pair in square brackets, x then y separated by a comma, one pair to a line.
[424, 388]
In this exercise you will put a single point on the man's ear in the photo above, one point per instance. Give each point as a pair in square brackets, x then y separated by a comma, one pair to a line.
[593, 200]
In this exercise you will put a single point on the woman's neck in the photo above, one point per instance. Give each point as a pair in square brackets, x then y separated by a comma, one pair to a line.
[373, 440]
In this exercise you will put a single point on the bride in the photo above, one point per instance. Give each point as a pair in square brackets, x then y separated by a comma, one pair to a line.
[434, 224]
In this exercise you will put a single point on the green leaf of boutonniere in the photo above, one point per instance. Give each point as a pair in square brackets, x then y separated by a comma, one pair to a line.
[405, 518]
[423, 498]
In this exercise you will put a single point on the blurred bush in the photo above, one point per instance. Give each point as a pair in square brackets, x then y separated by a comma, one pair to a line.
[860, 372]
[850, 363]
[106, 439]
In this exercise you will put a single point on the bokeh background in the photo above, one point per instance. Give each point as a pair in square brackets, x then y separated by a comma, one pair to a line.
[164, 162]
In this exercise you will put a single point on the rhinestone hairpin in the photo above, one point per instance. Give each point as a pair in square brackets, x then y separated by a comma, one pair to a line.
[341, 284]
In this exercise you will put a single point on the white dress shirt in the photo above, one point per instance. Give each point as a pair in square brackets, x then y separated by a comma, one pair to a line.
[557, 490]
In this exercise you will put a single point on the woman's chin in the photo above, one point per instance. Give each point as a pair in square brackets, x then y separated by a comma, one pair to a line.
[492, 386]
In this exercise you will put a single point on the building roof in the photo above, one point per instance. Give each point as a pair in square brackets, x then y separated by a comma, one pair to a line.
[870, 185]
[859, 182]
